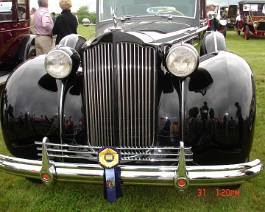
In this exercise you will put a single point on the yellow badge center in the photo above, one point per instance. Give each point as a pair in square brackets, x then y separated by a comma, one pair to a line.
[108, 158]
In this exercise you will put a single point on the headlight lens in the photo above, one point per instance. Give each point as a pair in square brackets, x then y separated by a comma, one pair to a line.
[58, 64]
[182, 60]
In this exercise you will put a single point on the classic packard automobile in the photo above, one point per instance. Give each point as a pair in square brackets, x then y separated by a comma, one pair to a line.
[251, 19]
[16, 42]
[152, 99]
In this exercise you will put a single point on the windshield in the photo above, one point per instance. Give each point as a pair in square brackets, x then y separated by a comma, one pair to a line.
[146, 7]
[6, 11]
[254, 7]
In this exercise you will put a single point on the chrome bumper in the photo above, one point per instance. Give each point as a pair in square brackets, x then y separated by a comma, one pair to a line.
[220, 175]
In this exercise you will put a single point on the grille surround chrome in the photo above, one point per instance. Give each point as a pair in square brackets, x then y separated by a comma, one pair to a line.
[119, 114]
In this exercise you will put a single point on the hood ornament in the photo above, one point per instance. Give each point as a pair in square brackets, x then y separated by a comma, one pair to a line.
[115, 22]
[114, 17]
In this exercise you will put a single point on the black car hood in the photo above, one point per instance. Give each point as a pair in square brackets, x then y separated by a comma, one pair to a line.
[162, 27]
[157, 31]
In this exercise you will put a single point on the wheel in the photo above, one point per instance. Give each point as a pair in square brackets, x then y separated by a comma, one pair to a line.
[246, 32]
[31, 52]
[224, 32]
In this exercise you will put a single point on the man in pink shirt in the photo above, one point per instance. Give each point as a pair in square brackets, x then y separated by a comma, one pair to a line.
[43, 26]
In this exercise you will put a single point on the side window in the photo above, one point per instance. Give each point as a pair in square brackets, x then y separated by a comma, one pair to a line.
[5, 10]
[202, 9]
[105, 10]
[21, 9]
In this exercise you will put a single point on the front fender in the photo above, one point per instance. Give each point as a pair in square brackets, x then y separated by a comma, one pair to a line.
[221, 117]
[73, 41]
[24, 48]
[29, 107]
[213, 41]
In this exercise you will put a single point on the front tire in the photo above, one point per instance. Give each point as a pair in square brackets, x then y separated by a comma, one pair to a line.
[32, 52]
[246, 32]
[224, 32]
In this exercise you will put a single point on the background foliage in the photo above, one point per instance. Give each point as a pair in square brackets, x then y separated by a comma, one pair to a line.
[83, 12]
[18, 194]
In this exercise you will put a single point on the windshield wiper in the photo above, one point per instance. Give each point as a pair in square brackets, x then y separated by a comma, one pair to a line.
[169, 17]
[153, 30]
[128, 17]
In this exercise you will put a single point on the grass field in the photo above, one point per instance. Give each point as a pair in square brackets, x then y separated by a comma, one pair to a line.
[17, 194]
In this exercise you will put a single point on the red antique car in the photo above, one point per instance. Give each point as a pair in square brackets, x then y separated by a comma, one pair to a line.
[251, 19]
[16, 43]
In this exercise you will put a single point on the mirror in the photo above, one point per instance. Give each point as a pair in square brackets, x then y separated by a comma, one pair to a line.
[86, 22]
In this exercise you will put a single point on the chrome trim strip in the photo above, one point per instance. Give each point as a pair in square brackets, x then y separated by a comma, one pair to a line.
[120, 148]
[182, 109]
[111, 106]
[139, 94]
[135, 94]
[86, 78]
[215, 42]
[120, 103]
[142, 100]
[14, 29]
[61, 111]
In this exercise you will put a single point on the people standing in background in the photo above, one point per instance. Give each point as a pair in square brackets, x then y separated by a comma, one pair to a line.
[76, 17]
[211, 22]
[43, 25]
[65, 23]
[53, 17]
[32, 12]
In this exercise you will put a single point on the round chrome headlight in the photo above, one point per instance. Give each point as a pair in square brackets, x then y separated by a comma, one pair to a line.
[182, 60]
[58, 64]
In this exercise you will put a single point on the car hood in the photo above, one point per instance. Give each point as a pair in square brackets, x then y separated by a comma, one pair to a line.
[157, 31]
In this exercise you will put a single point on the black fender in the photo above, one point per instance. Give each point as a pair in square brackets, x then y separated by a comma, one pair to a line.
[74, 41]
[221, 113]
[213, 41]
[25, 46]
[18, 51]
[30, 105]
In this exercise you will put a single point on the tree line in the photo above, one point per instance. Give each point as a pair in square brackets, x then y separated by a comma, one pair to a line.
[83, 12]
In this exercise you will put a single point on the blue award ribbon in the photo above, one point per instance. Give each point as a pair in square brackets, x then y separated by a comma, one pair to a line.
[108, 158]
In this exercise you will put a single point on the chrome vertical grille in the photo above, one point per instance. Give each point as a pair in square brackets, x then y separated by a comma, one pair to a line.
[120, 94]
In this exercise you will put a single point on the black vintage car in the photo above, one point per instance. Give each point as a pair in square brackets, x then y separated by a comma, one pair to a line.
[153, 95]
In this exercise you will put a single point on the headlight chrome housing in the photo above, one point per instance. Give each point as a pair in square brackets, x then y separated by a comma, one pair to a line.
[182, 60]
[58, 64]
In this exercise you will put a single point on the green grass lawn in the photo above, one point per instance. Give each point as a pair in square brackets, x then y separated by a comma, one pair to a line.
[86, 32]
[17, 194]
